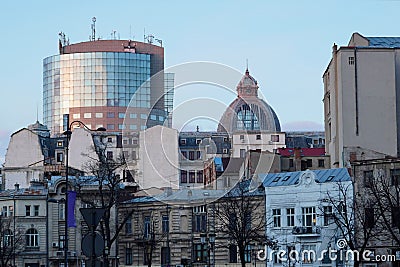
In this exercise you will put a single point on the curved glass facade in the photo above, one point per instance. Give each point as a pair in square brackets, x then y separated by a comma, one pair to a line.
[93, 79]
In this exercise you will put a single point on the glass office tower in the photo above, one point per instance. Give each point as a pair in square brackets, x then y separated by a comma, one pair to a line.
[94, 82]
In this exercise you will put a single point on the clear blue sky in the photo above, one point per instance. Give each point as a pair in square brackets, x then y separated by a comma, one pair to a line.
[288, 44]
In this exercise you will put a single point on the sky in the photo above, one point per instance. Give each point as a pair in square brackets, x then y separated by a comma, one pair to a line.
[287, 44]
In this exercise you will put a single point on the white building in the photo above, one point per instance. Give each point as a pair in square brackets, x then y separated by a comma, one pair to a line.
[298, 212]
[361, 98]
[158, 162]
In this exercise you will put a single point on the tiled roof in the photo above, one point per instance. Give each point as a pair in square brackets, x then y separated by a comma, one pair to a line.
[304, 152]
[292, 178]
[388, 42]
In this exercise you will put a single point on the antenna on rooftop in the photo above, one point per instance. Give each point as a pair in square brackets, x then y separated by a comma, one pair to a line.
[93, 37]
[113, 33]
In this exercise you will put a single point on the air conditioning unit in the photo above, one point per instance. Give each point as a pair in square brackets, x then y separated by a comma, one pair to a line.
[55, 244]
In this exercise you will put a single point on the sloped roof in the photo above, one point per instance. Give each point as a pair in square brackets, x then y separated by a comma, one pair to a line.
[384, 42]
[292, 178]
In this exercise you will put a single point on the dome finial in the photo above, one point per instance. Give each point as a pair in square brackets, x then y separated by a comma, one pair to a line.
[247, 66]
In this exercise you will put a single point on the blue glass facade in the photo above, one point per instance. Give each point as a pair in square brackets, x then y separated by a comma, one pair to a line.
[93, 79]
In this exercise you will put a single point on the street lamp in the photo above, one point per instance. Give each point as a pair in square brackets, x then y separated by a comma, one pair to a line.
[68, 133]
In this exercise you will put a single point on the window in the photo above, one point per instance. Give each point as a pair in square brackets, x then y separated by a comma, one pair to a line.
[146, 227]
[143, 116]
[27, 210]
[232, 253]
[291, 165]
[276, 215]
[143, 127]
[109, 155]
[133, 127]
[309, 216]
[330, 178]
[275, 138]
[286, 178]
[191, 155]
[59, 157]
[226, 139]
[87, 115]
[192, 177]
[224, 150]
[351, 60]
[258, 137]
[396, 217]
[4, 211]
[369, 217]
[183, 177]
[309, 253]
[32, 238]
[200, 177]
[395, 177]
[200, 219]
[121, 126]
[99, 115]
[198, 141]
[128, 226]
[165, 224]
[121, 115]
[153, 117]
[110, 115]
[61, 241]
[309, 163]
[36, 210]
[76, 116]
[10, 210]
[165, 256]
[183, 155]
[242, 153]
[247, 254]
[321, 163]
[133, 116]
[328, 215]
[128, 256]
[183, 142]
[110, 126]
[8, 238]
[241, 137]
[368, 178]
[61, 211]
[290, 217]
[198, 154]
[200, 252]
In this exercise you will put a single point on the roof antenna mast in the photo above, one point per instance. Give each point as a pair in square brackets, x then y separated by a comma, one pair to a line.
[93, 37]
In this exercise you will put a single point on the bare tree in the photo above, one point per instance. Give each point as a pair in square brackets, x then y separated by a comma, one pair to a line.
[240, 218]
[385, 190]
[103, 190]
[351, 217]
[150, 239]
[11, 243]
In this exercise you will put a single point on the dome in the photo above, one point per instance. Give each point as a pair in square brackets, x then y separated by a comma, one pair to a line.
[248, 112]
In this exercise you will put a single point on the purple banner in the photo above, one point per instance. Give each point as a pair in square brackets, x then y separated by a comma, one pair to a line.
[71, 209]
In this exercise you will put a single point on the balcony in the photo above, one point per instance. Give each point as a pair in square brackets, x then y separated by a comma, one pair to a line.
[306, 231]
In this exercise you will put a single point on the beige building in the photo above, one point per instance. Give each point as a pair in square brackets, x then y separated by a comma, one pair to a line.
[360, 99]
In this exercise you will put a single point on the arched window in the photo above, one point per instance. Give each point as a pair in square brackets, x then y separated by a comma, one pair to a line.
[246, 119]
[32, 238]
[8, 238]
